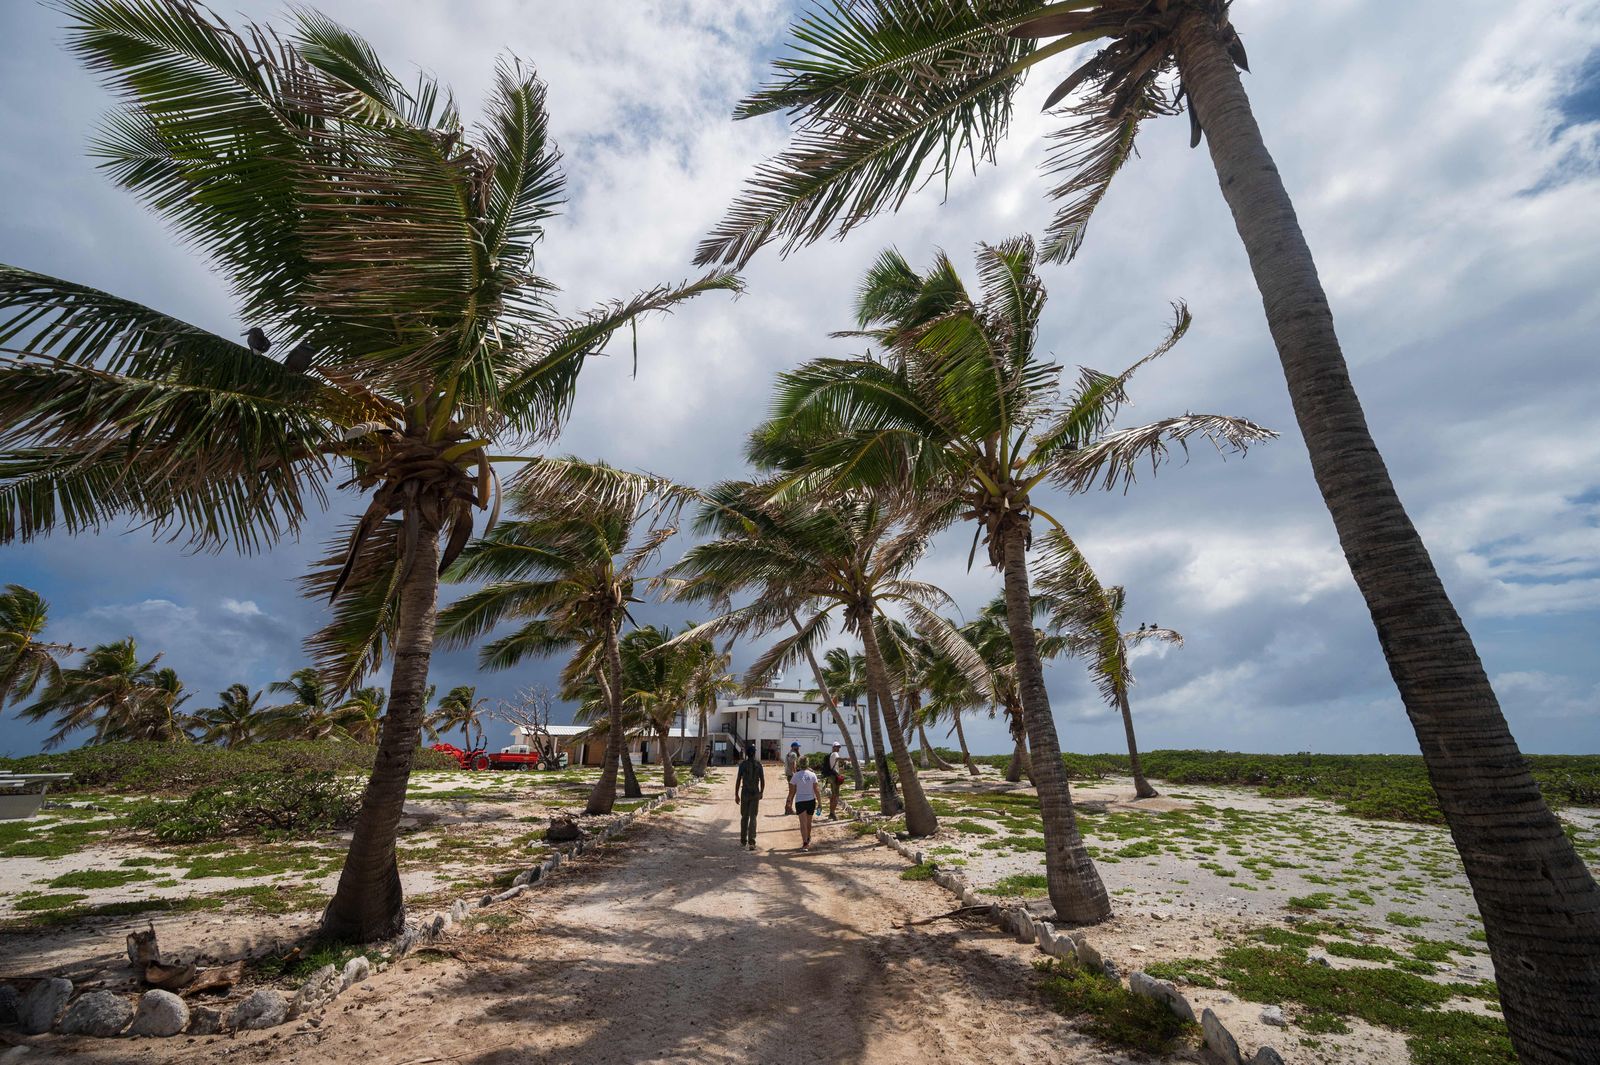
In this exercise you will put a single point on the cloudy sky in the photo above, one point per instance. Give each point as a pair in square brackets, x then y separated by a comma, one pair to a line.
[1445, 161]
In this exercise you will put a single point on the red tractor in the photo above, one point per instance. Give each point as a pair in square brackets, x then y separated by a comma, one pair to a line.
[518, 757]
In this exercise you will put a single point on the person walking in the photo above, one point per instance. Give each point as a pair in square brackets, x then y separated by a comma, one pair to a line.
[791, 763]
[832, 775]
[804, 786]
[748, 787]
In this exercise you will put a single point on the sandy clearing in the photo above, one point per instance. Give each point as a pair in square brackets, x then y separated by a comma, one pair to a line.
[679, 947]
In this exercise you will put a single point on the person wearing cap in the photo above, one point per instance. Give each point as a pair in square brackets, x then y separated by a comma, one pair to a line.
[791, 765]
[832, 774]
[748, 787]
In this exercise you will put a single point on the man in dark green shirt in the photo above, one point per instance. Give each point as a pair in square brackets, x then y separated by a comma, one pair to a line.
[748, 788]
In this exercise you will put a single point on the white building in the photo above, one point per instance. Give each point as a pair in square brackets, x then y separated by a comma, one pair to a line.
[773, 717]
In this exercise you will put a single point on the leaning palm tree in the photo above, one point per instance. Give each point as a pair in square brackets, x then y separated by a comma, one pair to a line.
[842, 678]
[890, 93]
[238, 717]
[963, 413]
[707, 680]
[309, 713]
[951, 693]
[851, 556]
[989, 632]
[656, 687]
[25, 660]
[1088, 615]
[566, 568]
[385, 249]
[110, 691]
[459, 708]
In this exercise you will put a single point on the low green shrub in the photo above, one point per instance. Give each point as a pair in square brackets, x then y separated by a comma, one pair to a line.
[1111, 1011]
[179, 768]
[297, 804]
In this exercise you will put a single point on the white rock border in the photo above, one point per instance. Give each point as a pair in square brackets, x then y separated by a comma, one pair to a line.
[1074, 949]
[268, 1007]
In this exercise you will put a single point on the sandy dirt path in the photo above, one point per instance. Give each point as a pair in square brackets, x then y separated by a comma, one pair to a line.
[677, 946]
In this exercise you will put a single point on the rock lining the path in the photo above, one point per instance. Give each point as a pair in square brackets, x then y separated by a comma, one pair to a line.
[1074, 949]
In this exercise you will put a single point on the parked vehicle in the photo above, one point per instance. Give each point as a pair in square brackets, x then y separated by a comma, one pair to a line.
[517, 756]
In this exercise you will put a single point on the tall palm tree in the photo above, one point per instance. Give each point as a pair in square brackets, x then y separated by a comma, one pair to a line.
[25, 660]
[656, 686]
[890, 93]
[963, 414]
[831, 705]
[707, 680]
[852, 556]
[1088, 615]
[951, 693]
[566, 568]
[381, 244]
[236, 719]
[111, 691]
[459, 708]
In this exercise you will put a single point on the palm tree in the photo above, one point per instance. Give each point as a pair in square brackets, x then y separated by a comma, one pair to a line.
[567, 569]
[963, 415]
[25, 660]
[387, 249]
[831, 704]
[1088, 615]
[236, 719]
[951, 693]
[459, 709]
[990, 634]
[851, 556]
[707, 681]
[360, 715]
[890, 93]
[843, 676]
[656, 689]
[310, 713]
[112, 692]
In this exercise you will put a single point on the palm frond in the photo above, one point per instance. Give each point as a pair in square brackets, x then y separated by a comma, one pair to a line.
[1113, 460]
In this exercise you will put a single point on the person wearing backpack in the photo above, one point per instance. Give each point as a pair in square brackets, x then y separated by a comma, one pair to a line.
[748, 787]
[832, 777]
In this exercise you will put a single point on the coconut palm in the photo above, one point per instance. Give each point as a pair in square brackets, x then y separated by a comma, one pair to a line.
[25, 660]
[963, 413]
[311, 711]
[656, 687]
[890, 93]
[1088, 615]
[360, 715]
[989, 632]
[707, 681]
[850, 557]
[909, 660]
[237, 718]
[387, 250]
[566, 568]
[112, 692]
[459, 708]
[831, 704]
[951, 693]
[843, 678]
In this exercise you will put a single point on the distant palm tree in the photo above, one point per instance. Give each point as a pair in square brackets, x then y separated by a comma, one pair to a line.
[844, 676]
[237, 718]
[25, 660]
[459, 708]
[707, 681]
[1088, 615]
[655, 687]
[963, 412]
[386, 249]
[951, 692]
[566, 568]
[311, 712]
[112, 692]
[359, 716]
[892, 93]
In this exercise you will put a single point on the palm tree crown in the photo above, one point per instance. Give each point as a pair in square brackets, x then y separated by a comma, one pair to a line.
[113, 692]
[25, 660]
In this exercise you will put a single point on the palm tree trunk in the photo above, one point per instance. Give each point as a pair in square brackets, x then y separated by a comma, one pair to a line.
[702, 751]
[961, 738]
[1020, 765]
[930, 749]
[920, 819]
[1141, 786]
[369, 903]
[866, 748]
[888, 799]
[669, 777]
[838, 718]
[1074, 884]
[1540, 905]
[604, 794]
[631, 788]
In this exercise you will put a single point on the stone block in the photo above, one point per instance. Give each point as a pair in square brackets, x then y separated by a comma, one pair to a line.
[1219, 1040]
[98, 1013]
[160, 1013]
[38, 1009]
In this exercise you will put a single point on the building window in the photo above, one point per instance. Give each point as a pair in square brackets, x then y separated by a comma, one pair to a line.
[794, 717]
[852, 719]
[813, 719]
